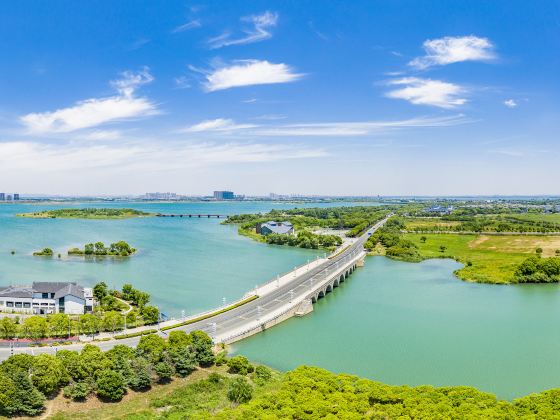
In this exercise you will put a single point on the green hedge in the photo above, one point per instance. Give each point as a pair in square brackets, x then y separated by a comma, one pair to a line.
[136, 334]
[210, 315]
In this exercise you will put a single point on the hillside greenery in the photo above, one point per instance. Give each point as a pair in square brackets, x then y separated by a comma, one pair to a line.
[309, 393]
[86, 213]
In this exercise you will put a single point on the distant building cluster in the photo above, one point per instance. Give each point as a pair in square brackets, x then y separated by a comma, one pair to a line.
[223, 195]
[9, 197]
[43, 298]
[161, 196]
[440, 209]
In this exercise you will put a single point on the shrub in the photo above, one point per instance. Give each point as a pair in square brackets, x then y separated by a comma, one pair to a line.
[110, 385]
[239, 365]
[164, 371]
[78, 391]
[263, 373]
[240, 391]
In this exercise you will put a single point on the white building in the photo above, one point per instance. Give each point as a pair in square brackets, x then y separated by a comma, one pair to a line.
[47, 298]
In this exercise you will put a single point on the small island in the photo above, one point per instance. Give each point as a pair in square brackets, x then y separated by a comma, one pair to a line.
[87, 213]
[45, 252]
[98, 249]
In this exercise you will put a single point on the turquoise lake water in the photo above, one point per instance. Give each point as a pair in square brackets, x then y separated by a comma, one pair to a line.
[396, 322]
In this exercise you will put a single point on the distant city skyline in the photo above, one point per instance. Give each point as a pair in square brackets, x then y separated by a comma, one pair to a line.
[324, 98]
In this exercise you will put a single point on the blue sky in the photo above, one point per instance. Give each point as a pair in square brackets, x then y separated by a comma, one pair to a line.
[333, 97]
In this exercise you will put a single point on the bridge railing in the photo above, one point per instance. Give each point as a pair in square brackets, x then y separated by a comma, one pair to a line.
[291, 307]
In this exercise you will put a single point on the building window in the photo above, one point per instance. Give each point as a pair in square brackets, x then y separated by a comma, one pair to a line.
[45, 295]
[44, 304]
[10, 304]
[1, 303]
[18, 305]
[26, 305]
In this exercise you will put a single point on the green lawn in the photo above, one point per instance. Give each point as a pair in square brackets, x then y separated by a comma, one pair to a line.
[493, 258]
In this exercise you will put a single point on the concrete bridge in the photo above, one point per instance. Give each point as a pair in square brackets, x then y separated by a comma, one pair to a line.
[291, 294]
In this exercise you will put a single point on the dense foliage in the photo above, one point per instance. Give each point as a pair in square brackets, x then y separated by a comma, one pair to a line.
[25, 380]
[120, 249]
[313, 393]
[538, 270]
[305, 239]
[87, 213]
[395, 245]
[45, 252]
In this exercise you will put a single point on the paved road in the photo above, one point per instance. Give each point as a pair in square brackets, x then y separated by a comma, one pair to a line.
[226, 323]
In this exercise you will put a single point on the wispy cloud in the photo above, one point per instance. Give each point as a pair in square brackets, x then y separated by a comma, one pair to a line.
[510, 103]
[249, 73]
[96, 111]
[137, 156]
[322, 129]
[450, 50]
[419, 91]
[193, 24]
[258, 31]
[219, 124]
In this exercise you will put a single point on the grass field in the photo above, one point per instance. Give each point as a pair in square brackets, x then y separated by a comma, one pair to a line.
[493, 259]
[420, 223]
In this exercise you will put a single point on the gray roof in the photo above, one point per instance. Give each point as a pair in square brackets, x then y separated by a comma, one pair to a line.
[278, 227]
[70, 289]
[60, 289]
[16, 292]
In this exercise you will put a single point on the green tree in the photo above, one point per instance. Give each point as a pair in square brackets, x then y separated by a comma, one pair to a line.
[202, 346]
[110, 385]
[164, 371]
[152, 347]
[8, 328]
[89, 324]
[442, 248]
[100, 290]
[48, 373]
[178, 339]
[141, 374]
[59, 325]
[113, 321]
[93, 360]
[100, 248]
[7, 395]
[72, 364]
[35, 327]
[539, 251]
[140, 298]
[150, 314]
[240, 391]
[27, 400]
[423, 239]
[184, 360]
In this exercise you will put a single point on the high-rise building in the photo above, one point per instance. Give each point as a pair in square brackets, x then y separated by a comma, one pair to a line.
[9, 197]
[16, 197]
[2, 196]
[223, 195]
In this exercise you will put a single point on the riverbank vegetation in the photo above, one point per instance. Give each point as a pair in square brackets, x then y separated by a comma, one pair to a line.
[26, 381]
[351, 221]
[485, 258]
[87, 213]
[117, 249]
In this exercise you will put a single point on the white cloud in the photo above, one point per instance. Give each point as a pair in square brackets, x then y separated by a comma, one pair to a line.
[193, 24]
[102, 135]
[226, 127]
[428, 92]
[510, 103]
[249, 73]
[259, 31]
[219, 124]
[94, 112]
[450, 50]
